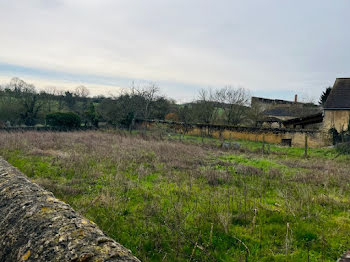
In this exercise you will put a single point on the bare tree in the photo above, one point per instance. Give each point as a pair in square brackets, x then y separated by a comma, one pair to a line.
[82, 91]
[234, 102]
[30, 102]
[137, 102]
[255, 113]
[148, 94]
[205, 108]
[186, 116]
[20, 87]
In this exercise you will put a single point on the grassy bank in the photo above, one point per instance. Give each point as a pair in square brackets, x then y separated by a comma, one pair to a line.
[172, 200]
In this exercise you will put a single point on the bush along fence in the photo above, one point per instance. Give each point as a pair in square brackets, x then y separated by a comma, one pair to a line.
[35, 226]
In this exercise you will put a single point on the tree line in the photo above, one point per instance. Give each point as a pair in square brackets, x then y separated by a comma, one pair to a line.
[22, 104]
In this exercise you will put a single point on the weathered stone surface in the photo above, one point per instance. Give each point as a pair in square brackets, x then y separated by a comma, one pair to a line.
[35, 226]
[228, 145]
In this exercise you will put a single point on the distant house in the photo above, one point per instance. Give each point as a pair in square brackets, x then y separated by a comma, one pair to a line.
[276, 111]
[337, 106]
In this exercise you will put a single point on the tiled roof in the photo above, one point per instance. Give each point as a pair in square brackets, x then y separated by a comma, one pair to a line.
[339, 97]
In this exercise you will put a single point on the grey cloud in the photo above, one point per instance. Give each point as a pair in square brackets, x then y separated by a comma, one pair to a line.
[261, 45]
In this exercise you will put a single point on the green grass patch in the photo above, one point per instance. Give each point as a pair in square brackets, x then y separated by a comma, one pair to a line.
[179, 201]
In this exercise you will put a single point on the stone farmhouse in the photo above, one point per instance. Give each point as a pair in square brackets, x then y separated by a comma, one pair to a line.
[295, 115]
[337, 106]
[284, 122]
[300, 117]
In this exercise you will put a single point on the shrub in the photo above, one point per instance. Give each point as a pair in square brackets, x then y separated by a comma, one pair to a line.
[343, 136]
[343, 148]
[218, 177]
[172, 117]
[63, 120]
[248, 170]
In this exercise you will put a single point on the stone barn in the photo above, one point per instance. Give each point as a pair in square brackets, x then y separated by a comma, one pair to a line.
[337, 106]
[276, 111]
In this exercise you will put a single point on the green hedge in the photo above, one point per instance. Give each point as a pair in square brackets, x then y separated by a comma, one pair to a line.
[63, 120]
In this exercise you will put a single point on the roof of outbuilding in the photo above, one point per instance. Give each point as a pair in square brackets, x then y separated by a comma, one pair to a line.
[339, 97]
[310, 119]
[270, 119]
[280, 111]
[292, 111]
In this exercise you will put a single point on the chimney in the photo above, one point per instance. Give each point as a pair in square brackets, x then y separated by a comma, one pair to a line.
[296, 99]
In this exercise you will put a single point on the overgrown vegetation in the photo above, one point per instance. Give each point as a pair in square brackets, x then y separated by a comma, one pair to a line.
[341, 140]
[22, 104]
[189, 200]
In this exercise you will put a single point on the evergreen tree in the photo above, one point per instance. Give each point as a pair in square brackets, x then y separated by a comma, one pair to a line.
[324, 96]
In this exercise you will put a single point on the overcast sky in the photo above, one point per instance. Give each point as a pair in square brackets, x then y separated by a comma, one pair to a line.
[274, 48]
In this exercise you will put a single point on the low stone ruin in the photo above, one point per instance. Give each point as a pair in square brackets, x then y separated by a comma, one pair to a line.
[229, 145]
[35, 226]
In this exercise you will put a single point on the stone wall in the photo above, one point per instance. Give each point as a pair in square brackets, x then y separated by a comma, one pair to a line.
[273, 136]
[338, 119]
[35, 226]
[316, 138]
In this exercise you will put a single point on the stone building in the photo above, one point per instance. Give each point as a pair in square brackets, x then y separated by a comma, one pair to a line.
[277, 111]
[337, 106]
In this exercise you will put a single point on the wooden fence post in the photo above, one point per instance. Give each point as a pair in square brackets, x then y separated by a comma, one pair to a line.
[263, 145]
[306, 146]
[202, 134]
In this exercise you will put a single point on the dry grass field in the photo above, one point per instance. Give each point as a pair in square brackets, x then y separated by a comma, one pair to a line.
[184, 200]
